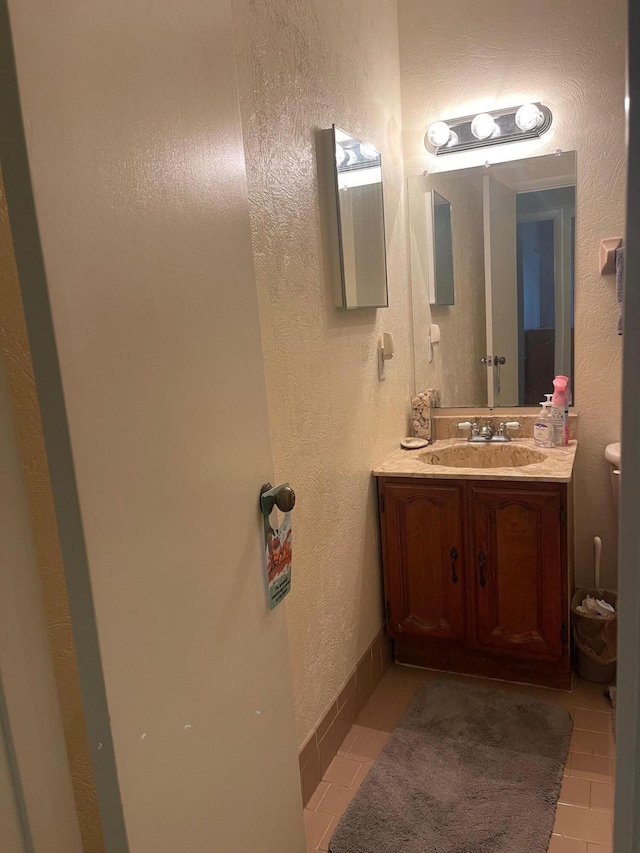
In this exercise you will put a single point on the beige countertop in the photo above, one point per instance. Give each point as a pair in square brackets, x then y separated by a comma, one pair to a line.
[557, 467]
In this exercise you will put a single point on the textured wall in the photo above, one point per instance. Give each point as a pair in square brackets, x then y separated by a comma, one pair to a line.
[459, 57]
[29, 706]
[16, 358]
[302, 66]
[455, 369]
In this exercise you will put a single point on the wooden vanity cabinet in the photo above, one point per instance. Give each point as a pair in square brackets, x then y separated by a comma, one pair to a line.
[425, 549]
[476, 576]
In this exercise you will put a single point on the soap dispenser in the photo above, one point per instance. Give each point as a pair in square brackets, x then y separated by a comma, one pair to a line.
[543, 427]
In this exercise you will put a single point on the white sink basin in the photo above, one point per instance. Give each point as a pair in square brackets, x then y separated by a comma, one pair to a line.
[612, 454]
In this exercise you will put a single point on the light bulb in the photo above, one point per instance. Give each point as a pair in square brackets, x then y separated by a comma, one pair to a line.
[439, 134]
[483, 126]
[340, 155]
[529, 117]
[368, 151]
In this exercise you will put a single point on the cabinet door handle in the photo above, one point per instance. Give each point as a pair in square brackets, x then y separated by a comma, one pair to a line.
[482, 559]
[453, 553]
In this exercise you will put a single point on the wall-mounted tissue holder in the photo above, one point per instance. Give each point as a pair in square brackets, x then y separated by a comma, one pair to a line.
[608, 254]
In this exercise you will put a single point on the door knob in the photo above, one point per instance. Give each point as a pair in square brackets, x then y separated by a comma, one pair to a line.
[285, 499]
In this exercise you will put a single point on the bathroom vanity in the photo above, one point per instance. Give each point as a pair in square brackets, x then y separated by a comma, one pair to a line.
[477, 559]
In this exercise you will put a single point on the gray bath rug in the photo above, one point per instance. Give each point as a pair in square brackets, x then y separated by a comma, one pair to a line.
[468, 770]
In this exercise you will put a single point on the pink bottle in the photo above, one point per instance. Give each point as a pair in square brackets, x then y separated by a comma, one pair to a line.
[567, 403]
[560, 410]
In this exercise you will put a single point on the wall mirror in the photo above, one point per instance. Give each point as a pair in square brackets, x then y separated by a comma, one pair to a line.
[356, 222]
[501, 240]
[432, 241]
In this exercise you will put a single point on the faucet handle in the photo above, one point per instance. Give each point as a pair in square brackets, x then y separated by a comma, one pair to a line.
[469, 425]
[504, 426]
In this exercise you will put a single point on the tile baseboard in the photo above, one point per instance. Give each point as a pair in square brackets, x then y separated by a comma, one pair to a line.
[324, 741]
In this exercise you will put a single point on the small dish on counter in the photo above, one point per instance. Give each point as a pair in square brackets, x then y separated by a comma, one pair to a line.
[412, 443]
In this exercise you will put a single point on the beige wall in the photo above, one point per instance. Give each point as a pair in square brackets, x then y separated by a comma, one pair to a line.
[16, 357]
[459, 57]
[302, 66]
[28, 698]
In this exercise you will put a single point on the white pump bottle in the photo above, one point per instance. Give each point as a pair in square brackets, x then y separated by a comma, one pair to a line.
[543, 427]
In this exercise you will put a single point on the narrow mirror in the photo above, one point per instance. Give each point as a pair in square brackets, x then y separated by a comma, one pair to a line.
[443, 291]
[360, 266]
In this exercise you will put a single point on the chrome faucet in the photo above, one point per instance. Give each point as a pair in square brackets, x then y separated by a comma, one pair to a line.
[486, 433]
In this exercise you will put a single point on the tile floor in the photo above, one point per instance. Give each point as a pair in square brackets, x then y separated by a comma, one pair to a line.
[584, 816]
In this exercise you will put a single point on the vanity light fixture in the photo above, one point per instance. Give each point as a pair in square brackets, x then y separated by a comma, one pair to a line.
[514, 124]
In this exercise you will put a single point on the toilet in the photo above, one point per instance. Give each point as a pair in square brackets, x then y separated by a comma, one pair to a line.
[612, 455]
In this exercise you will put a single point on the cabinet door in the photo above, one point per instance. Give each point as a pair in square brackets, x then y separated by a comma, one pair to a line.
[517, 577]
[423, 539]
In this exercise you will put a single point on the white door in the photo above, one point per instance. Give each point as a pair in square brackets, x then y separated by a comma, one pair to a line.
[564, 292]
[137, 162]
[501, 292]
[562, 219]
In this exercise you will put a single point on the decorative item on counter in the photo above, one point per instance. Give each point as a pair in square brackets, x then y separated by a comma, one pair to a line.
[422, 406]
